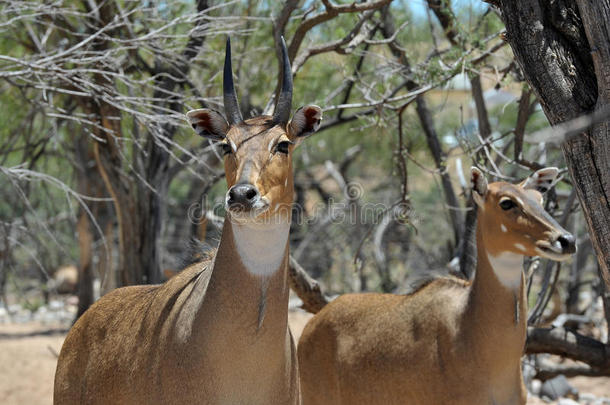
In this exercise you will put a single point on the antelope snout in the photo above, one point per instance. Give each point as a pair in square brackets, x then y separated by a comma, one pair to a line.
[567, 243]
[242, 197]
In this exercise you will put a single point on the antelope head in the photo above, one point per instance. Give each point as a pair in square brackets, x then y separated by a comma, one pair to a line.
[514, 220]
[257, 151]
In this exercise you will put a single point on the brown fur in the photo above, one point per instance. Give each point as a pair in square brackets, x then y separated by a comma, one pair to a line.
[180, 342]
[450, 342]
[252, 139]
[200, 338]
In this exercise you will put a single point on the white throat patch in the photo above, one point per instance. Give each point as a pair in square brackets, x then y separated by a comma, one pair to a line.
[507, 267]
[261, 246]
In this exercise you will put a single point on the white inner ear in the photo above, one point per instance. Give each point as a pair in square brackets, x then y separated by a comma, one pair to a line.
[478, 198]
[478, 182]
[298, 121]
[542, 178]
[548, 173]
[531, 181]
[217, 125]
[299, 124]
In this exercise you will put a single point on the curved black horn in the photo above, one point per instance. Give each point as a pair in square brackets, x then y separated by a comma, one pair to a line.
[230, 97]
[284, 101]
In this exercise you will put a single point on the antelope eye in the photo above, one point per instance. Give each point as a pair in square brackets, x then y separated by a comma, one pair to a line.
[283, 147]
[507, 204]
[226, 148]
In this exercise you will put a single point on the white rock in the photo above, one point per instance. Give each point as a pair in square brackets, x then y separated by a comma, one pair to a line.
[535, 386]
[56, 305]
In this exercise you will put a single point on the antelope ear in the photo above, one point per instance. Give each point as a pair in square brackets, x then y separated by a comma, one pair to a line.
[541, 180]
[478, 183]
[305, 121]
[208, 123]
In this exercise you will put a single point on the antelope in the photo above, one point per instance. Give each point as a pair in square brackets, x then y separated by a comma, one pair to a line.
[217, 332]
[450, 341]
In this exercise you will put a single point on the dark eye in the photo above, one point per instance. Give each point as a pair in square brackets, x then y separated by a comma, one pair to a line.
[283, 147]
[226, 148]
[507, 204]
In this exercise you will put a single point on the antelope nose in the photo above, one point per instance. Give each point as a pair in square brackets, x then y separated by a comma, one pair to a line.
[567, 242]
[244, 195]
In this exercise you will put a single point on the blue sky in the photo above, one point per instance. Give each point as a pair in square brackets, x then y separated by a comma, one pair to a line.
[419, 6]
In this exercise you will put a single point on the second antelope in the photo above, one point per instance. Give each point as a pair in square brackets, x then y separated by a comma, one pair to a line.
[217, 332]
[450, 342]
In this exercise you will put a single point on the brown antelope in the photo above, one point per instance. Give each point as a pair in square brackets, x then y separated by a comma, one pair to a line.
[450, 342]
[217, 332]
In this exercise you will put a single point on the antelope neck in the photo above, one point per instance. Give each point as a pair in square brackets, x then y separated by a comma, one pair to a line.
[506, 267]
[261, 247]
[494, 318]
[248, 277]
[497, 290]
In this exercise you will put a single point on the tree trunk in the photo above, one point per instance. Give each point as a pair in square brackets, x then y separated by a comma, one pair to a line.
[85, 276]
[155, 164]
[139, 209]
[92, 186]
[563, 48]
[105, 266]
[131, 268]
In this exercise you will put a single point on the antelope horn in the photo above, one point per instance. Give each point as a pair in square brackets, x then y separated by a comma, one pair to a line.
[284, 101]
[230, 97]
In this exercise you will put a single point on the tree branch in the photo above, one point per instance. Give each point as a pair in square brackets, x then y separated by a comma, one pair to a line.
[568, 344]
[331, 11]
[306, 288]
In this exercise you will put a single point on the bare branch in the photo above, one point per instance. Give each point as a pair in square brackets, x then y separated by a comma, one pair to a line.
[306, 288]
[342, 46]
[568, 344]
[331, 11]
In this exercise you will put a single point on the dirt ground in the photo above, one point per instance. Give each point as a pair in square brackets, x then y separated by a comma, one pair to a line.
[28, 354]
[27, 362]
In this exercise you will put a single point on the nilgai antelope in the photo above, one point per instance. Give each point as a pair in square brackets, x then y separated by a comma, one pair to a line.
[217, 332]
[450, 342]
